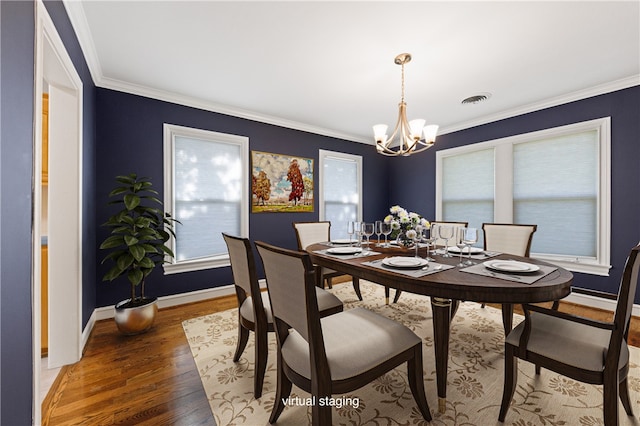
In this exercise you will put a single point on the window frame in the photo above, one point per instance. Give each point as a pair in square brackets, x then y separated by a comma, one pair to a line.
[170, 132]
[503, 188]
[357, 159]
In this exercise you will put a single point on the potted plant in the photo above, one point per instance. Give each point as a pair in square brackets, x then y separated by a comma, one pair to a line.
[136, 244]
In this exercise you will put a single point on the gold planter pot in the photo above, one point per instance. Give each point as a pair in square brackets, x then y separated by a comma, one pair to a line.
[137, 319]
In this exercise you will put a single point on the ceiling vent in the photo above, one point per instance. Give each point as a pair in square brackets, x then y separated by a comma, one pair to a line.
[476, 99]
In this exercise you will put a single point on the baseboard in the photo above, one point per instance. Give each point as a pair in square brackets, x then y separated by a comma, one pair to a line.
[598, 302]
[200, 295]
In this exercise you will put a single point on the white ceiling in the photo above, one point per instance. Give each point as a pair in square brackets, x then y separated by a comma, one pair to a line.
[328, 67]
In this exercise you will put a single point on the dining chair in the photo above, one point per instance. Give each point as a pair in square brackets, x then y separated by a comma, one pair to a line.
[308, 233]
[509, 238]
[585, 350]
[438, 241]
[336, 354]
[254, 309]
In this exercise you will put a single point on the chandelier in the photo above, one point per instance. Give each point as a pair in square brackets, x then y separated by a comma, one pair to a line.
[413, 136]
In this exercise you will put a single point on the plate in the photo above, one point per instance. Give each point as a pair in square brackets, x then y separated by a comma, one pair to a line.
[474, 250]
[344, 250]
[404, 262]
[511, 266]
[345, 241]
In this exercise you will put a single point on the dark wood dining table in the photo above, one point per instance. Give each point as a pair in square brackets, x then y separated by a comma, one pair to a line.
[447, 288]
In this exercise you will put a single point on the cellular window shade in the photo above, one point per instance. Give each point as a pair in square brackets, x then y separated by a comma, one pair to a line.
[208, 194]
[556, 187]
[468, 187]
[340, 191]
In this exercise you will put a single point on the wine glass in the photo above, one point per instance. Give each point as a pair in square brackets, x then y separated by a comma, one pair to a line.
[378, 231]
[427, 234]
[446, 232]
[357, 230]
[417, 238]
[351, 229]
[460, 243]
[368, 230]
[386, 230]
[470, 238]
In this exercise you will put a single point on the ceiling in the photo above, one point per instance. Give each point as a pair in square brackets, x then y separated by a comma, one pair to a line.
[327, 66]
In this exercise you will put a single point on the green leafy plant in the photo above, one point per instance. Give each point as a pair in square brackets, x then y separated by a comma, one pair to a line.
[139, 232]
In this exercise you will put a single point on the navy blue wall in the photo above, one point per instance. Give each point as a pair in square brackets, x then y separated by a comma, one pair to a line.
[130, 139]
[416, 175]
[17, 26]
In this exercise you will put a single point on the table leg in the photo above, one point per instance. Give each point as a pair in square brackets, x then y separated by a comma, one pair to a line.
[441, 322]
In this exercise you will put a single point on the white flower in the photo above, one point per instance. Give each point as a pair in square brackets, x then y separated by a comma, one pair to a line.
[395, 225]
[411, 234]
[425, 223]
[396, 209]
[388, 219]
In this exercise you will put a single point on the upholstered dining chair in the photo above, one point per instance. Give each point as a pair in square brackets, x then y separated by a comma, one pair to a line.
[254, 309]
[439, 242]
[308, 233]
[513, 239]
[336, 354]
[585, 350]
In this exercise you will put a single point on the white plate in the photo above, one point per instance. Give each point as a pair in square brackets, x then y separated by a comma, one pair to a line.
[474, 250]
[404, 262]
[344, 250]
[512, 266]
[345, 241]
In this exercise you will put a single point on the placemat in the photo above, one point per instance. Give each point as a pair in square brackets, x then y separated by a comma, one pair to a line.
[528, 278]
[433, 267]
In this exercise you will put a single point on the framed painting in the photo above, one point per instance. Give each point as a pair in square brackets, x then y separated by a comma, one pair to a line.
[281, 183]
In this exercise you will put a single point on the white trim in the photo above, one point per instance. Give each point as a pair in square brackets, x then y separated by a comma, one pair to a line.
[600, 89]
[598, 302]
[81, 27]
[504, 174]
[107, 312]
[170, 131]
[357, 159]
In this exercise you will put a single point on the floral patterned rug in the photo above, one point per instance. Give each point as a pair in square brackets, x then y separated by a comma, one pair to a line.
[475, 375]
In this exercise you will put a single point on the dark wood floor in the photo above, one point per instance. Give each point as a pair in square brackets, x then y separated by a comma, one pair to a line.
[151, 379]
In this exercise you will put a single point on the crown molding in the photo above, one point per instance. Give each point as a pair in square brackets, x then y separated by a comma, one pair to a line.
[80, 25]
[194, 102]
[589, 92]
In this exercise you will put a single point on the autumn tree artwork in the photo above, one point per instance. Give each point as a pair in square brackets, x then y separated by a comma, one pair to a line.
[281, 183]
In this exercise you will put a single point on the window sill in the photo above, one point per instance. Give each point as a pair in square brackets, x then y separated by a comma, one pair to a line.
[196, 265]
[584, 266]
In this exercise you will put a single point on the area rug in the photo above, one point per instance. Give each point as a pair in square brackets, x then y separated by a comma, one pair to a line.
[475, 376]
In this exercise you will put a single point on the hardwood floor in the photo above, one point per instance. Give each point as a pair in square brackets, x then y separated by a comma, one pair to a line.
[151, 379]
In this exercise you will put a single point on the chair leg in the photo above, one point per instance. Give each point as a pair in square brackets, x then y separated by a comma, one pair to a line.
[537, 370]
[356, 287]
[510, 380]
[386, 295]
[283, 390]
[397, 296]
[243, 338]
[321, 413]
[261, 353]
[610, 399]
[416, 382]
[329, 283]
[623, 390]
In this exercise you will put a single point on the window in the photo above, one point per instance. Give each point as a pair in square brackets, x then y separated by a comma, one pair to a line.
[340, 190]
[206, 175]
[558, 179]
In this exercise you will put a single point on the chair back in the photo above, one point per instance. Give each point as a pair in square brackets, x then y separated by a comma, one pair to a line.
[243, 268]
[627, 293]
[441, 241]
[291, 284]
[508, 238]
[308, 233]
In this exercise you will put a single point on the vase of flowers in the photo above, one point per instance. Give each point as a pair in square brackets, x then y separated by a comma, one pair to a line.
[403, 225]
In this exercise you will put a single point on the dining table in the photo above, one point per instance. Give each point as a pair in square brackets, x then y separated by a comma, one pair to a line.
[497, 278]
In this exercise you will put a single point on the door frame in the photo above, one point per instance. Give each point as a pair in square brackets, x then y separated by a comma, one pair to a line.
[54, 68]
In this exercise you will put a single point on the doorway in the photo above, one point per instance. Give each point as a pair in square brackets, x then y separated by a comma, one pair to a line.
[56, 76]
